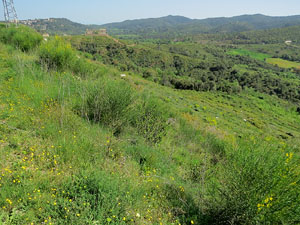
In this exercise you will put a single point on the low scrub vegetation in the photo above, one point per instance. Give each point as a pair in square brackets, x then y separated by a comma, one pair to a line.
[188, 66]
[108, 102]
[85, 146]
[57, 54]
[265, 178]
[24, 38]
[150, 117]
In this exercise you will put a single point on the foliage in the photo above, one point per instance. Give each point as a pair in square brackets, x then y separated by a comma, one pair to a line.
[60, 26]
[174, 27]
[56, 54]
[171, 27]
[21, 37]
[107, 102]
[192, 67]
[149, 117]
[254, 178]
[221, 159]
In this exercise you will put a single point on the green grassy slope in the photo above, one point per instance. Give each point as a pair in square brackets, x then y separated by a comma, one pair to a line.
[265, 57]
[244, 52]
[214, 158]
[283, 63]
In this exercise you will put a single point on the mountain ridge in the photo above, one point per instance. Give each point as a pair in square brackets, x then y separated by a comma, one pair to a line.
[209, 25]
[172, 25]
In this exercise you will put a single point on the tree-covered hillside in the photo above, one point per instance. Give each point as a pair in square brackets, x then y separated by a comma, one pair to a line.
[58, 26]
[192, 67]
[169, 26]
[270, 36]
[174, 26]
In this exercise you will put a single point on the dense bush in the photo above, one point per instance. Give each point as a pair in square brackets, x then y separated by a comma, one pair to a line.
[21, 37]
[108, 102]
[83, 67]
[258, 184]
[150, 119]
[111, 103]
[57, 54]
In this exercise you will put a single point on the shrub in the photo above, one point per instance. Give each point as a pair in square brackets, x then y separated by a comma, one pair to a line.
[108, 103]
[21, 37]
[83, 67]
[147, 73]
[150, 118]
[57, 54]
[258, 185]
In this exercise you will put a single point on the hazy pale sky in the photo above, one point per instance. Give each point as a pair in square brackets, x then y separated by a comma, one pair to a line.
[105, 11]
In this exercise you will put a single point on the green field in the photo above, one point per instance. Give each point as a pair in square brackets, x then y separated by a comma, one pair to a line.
[244, 52]
[283, 63]
[265, 57]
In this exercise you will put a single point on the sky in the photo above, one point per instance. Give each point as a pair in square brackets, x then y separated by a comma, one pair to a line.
[106, 11]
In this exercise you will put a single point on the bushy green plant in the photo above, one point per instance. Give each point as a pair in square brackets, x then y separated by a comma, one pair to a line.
[258, 185]
[148, 73]
[149, 117]
[108, 102]
[22, 37]
[57, 53]
[83, 67]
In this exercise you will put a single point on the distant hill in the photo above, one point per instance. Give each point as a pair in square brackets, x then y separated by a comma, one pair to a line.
[59, 26]
[169, 26]
[151, 23]
[182, 25]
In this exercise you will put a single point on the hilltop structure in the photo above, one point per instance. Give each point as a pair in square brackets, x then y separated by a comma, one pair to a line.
[100, 32]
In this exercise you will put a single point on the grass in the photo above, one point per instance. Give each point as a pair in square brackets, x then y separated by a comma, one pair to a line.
[254, 55]
[215, 158]
[265, 57]
[283, 63]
